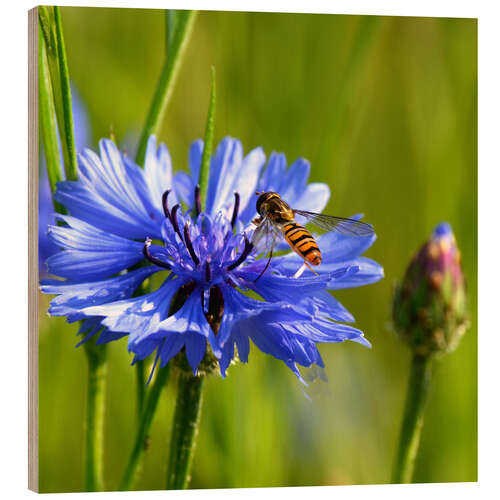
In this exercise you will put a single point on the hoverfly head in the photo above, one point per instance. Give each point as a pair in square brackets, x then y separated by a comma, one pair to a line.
[262, 198]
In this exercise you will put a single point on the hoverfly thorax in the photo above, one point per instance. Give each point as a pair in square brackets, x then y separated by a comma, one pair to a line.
[271, 205]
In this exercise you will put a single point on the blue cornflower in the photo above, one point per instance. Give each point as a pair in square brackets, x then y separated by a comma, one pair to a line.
[122, 215]
[45, 206]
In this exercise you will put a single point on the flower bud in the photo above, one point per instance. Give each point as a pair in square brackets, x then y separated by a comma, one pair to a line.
[429, 308]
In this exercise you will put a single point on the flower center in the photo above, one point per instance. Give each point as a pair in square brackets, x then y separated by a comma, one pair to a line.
[148, 256]
[246, 251]
[236, 209]
[185, 236]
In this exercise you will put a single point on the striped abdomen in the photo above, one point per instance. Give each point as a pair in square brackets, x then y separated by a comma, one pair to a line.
[302, 242]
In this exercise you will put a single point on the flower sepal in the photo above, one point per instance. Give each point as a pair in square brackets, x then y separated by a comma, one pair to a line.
[209, 365]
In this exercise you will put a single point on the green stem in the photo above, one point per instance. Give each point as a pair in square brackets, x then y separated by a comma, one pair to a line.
[178, 26]
[184, 430]
[94, 419]
[140, 366]
[183, 26]
[67, 133]
[171, 23]
[208, 141]
[413, 419]
[47, 27]
[48, 126]
[140, 370]
[144, 426]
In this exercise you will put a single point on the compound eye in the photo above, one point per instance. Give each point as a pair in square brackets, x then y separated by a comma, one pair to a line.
[260, 200]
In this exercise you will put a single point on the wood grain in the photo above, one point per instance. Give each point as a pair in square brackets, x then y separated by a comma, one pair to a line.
[33, 250]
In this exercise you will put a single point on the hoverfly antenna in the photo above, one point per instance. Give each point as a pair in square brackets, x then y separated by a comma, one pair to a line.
[258, 193]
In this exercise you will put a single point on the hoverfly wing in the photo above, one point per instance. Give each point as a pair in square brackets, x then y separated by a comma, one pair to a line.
[264, 237]
[349, 227]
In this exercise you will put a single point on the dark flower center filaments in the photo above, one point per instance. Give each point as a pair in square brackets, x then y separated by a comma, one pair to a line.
[215, 308]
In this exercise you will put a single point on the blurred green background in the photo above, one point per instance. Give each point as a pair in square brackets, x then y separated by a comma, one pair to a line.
[385, 108]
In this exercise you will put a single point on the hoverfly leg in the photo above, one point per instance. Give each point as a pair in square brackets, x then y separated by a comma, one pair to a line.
[299, 272]
[257, 221]
[302, 268]
[312, 270]
[267, 265]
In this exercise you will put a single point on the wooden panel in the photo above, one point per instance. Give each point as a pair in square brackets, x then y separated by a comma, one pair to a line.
[33, 250]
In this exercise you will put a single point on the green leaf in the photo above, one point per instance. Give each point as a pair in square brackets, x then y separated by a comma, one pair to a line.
[182, 28]
[208, 142]
[47, 120]
[67, 132]
[51, 28]
[47, 27]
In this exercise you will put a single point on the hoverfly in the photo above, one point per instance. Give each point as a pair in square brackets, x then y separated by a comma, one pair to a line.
[276, 218]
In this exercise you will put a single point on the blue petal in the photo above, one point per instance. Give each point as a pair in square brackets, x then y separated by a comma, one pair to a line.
[274, 174]
[296, 180]
[87, 206]
[140, 316]
[230, 173]
[278, 288]
[171, 345]
[291, 184]
[108, 336]
[337, 247]
[267, 337]
[158, 173]
[289, 334]
[145, 349]
[154, 210]
[270, 180]
[91, 326]
[227, 356]
[323, 330]
[195, 154]
[236, 307]
[305, 352]
[80, 120]
[79, 235]
[86, 266]
[106, 195]
[314, 198]
[112, 182]
[74, 297]
[245, 182]
[90, 254]
[243, 346]
[368, 272]
[322, 304]
[190, 318]
[223, 171]
[184, 187]
[196, 346]
[45, 218]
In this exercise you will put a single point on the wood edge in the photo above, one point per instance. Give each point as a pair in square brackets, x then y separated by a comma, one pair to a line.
[33, 249]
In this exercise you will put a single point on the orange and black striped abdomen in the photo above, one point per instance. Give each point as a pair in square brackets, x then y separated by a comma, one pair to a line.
[302, 242]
